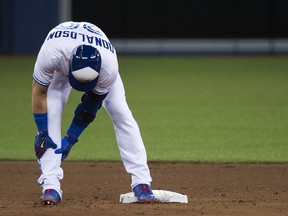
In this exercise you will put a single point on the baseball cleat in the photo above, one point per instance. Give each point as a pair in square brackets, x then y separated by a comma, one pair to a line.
[50, 197]
[144, 193]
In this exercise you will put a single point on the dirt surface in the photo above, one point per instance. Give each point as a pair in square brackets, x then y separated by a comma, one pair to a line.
[94, 188]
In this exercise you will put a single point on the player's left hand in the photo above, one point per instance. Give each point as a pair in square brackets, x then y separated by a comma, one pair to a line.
[42, 142]
[67, 143]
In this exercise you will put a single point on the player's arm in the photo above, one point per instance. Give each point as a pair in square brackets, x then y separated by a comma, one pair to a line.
[86, 111]
[39, 98]
[39, 109]
[84, 114]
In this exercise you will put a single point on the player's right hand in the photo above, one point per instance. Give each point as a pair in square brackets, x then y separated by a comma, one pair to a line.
[67, 143]
[42, 142]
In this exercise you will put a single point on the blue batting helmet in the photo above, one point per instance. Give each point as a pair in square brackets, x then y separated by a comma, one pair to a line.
[84, 68]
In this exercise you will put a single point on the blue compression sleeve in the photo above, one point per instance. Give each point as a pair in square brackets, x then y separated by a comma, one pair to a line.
[85, 113]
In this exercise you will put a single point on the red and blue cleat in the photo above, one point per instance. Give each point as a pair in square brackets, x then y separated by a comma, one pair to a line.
[50, 197]
[144, 193]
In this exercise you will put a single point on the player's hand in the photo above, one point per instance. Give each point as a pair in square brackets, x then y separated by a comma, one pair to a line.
[42, 143]
[67, 143]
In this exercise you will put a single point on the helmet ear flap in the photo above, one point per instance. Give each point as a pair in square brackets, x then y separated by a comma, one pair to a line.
[84, 67]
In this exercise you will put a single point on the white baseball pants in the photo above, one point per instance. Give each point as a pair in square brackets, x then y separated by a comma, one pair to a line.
[127, 132]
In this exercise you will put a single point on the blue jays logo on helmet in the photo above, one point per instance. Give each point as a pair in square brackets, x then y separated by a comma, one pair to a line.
[84, 68]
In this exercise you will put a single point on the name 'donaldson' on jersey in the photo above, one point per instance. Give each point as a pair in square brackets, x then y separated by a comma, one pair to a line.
[85, 38]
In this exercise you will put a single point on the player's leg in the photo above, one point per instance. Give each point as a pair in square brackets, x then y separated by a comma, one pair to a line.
[128, 135]
[50, 162]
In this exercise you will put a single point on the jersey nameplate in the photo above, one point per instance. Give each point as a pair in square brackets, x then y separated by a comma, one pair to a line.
[65, 31]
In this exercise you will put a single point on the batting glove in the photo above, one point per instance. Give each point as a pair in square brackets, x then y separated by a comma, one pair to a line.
[42, 143]
[67, 143]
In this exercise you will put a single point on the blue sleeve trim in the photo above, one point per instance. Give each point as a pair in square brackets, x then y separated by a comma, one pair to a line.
[40, 82]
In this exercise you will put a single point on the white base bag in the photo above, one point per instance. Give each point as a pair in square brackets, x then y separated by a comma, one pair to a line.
[162, 196]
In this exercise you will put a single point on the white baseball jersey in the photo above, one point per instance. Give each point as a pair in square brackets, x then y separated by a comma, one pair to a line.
[55, 53]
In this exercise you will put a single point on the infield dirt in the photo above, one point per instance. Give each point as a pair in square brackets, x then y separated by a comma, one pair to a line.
[94, 188]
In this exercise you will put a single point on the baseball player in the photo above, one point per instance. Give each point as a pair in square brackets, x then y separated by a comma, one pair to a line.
[79, 55]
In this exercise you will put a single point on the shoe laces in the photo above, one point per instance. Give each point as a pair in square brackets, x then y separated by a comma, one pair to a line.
[144, 188]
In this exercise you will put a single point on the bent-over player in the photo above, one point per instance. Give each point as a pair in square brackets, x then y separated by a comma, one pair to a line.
[79, 55]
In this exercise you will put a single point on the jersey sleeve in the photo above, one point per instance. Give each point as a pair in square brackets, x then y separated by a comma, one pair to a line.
[44, 68]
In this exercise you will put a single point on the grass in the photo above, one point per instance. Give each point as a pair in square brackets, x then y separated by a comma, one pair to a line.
[202, 109]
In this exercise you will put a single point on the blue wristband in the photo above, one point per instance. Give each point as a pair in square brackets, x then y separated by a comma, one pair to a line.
[41, 121]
